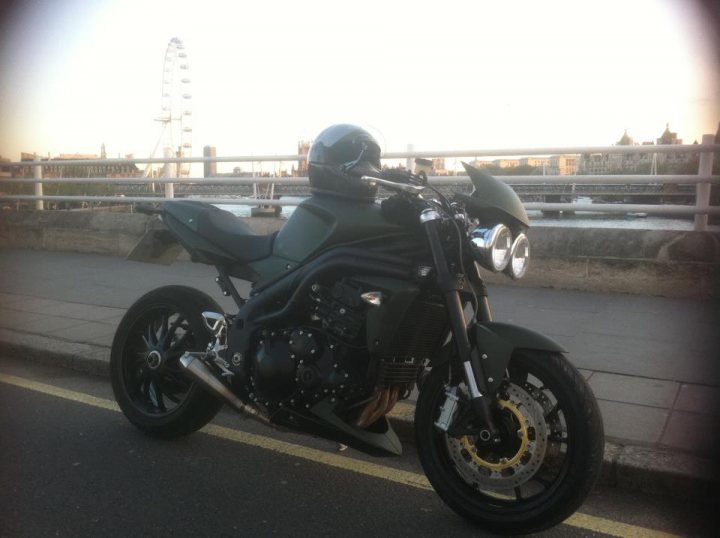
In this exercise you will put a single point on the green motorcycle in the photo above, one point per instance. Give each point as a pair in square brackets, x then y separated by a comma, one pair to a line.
[353, 304]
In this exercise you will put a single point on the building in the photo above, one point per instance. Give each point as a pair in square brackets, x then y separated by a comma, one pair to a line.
[57, 169]
[506, 163]
[209, 168]
[302, 166]
[477, 163]
[438, 167]
[535, 162]
[5, 170]
[673, 160]
[668, 138]
[562, 165]
[628, 163]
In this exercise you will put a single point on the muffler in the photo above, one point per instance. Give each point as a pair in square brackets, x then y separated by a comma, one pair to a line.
[201, 373]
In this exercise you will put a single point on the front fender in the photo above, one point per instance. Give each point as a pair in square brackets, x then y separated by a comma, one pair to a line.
[496, 342]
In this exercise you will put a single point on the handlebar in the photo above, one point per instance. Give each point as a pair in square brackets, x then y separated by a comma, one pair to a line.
[392, 185]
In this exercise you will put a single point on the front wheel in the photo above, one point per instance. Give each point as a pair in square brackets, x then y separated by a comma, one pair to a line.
[547, 461]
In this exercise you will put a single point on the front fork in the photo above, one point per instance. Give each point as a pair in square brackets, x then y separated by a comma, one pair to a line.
[467, 358]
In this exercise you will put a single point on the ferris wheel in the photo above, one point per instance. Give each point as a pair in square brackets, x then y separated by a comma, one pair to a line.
[175, 111]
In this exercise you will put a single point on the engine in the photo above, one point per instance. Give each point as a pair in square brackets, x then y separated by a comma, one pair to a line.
[297, 367]
[326, 356]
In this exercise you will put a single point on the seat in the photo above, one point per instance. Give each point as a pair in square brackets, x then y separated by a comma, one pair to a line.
[228, 232]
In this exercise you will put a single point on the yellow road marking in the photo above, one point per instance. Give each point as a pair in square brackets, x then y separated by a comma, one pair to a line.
[416, 480]
[60, 393]
[321, 456]
[613, 528]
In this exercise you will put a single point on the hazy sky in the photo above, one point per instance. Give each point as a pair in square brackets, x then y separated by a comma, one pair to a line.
[441, 75]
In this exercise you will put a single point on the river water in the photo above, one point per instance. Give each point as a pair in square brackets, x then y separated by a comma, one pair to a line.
[578, 220]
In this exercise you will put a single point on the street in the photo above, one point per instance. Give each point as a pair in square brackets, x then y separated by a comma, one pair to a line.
[73, 466]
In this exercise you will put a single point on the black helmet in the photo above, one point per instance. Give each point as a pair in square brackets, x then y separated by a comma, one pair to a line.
[338, 157]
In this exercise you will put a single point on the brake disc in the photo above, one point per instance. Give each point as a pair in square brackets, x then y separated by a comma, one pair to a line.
[520, 462]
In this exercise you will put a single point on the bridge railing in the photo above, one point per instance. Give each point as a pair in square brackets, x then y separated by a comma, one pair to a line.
[700, 209]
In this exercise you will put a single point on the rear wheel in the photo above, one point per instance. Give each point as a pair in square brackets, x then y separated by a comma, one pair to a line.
[547, 461]
[147, 378]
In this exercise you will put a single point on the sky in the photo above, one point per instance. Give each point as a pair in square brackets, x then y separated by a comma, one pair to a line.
[439, 75]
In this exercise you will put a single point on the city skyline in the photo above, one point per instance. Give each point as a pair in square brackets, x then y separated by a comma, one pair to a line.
[461, 76]
[555, 164]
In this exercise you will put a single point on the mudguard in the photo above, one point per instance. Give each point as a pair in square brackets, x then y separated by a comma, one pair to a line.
[496, 342]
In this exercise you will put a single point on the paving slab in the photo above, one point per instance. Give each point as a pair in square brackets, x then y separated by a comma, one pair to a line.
[547, 321]
[693, 432]
[645, 325]
[45, 324]
[625, 355]
[82, 311]
[84, 331]
[699, 399]
[702, 368]
[9, 299]
[36, 304]
[12, 319]
[634, 390]
[634, 423]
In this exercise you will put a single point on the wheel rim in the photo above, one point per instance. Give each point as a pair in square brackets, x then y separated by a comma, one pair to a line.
[152, 374]
[529, 470]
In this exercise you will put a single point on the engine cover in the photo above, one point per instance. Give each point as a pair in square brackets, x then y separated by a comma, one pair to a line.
[301, 366]
[273, 369]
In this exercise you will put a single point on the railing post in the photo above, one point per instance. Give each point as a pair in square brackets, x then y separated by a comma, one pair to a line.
[170, 170]
[409, 164]
[702, 190]
[37, 174]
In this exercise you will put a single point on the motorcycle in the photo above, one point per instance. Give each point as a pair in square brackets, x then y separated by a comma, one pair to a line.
[353, 304]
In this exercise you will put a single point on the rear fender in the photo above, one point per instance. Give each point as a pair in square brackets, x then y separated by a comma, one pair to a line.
[158, 245]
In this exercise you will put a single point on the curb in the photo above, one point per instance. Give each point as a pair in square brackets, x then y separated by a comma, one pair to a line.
[629, 467]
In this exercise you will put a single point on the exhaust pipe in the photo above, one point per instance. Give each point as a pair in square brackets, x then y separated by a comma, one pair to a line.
[201, 373]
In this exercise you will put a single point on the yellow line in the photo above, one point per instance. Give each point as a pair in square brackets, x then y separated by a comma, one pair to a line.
[583, 521]
[613, 528]
[60, 393]
[320, 456]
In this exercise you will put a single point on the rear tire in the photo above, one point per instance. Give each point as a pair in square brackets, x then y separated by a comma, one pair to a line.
[540, 480]
[148, 381]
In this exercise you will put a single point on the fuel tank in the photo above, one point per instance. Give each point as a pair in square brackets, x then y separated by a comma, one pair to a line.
[320, 223]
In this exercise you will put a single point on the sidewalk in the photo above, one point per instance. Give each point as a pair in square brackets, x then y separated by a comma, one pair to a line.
[652, 362]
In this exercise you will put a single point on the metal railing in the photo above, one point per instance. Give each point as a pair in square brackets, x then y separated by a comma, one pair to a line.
[702, 180]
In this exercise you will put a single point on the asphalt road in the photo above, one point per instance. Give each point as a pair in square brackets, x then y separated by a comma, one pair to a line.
[71, 465]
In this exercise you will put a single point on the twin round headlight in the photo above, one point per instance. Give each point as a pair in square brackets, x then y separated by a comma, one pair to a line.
[496, 250]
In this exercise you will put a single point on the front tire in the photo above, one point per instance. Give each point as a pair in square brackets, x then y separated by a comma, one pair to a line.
[549, 458]
[149, 384]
